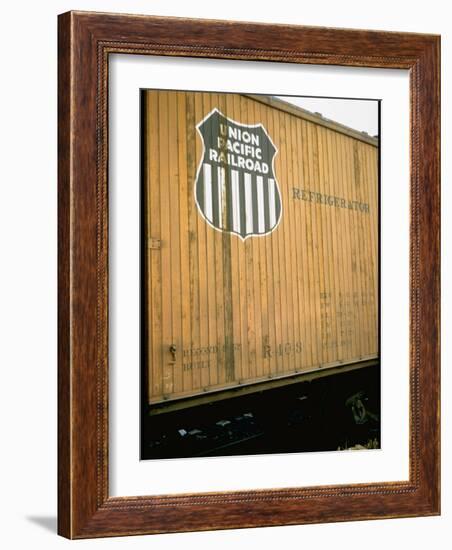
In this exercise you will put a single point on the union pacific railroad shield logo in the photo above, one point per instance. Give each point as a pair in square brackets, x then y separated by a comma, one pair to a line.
[236, 190]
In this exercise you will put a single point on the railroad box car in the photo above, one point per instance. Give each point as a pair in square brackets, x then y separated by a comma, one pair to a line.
[261, 243]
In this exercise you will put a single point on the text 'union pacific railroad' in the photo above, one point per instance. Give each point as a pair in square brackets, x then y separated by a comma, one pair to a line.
[236, 190]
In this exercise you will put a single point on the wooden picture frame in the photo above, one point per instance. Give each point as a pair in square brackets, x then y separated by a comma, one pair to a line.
[85, 42]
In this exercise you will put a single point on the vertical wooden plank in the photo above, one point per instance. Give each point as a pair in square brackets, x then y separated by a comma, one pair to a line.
[295, 275]
[165, 227]
[274, 267]
[193, 242]
[268, 346]
[348, 324]
[313, 243]
[337, 237]
[359, 245]
[335, 259]
[363, 196]
[357, 256]
[202, 275]
[241, 114]
[221, 299]
[374, 213]
[239, 253]
[351, 236]
[372, 259]
[279, 260]
[319, 234]
[210, 258]
[353, 247]
[302, 226]
[239, 270]
[154, 257]
[233, 108]
[147, 232]
[201, 344]
[250, 115]
[359, 242]
[285, 230]
[368, 218]
[184, 197]
[367, 192]
[325, 291]
[175, 242]
[362, 238]
[373, 222]
[306, 240]
[337, 234]
[322, 235]
[344, 299]
[298, 208]
[232, 311]
[336, 213]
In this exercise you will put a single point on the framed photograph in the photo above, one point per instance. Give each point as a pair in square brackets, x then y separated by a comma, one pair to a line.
[248, 275]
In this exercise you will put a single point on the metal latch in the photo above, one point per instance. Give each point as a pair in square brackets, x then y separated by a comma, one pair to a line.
[154, 244]
[173, 350]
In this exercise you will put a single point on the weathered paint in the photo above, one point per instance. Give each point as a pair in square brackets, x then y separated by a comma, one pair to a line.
[243, 310]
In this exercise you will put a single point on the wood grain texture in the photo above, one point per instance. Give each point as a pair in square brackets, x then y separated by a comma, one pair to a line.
[340, 282]
[85, 41]
[64, 294]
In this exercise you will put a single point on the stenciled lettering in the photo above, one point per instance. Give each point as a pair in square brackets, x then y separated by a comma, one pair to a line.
[287, 348]
[329, 200]
[239, 149]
